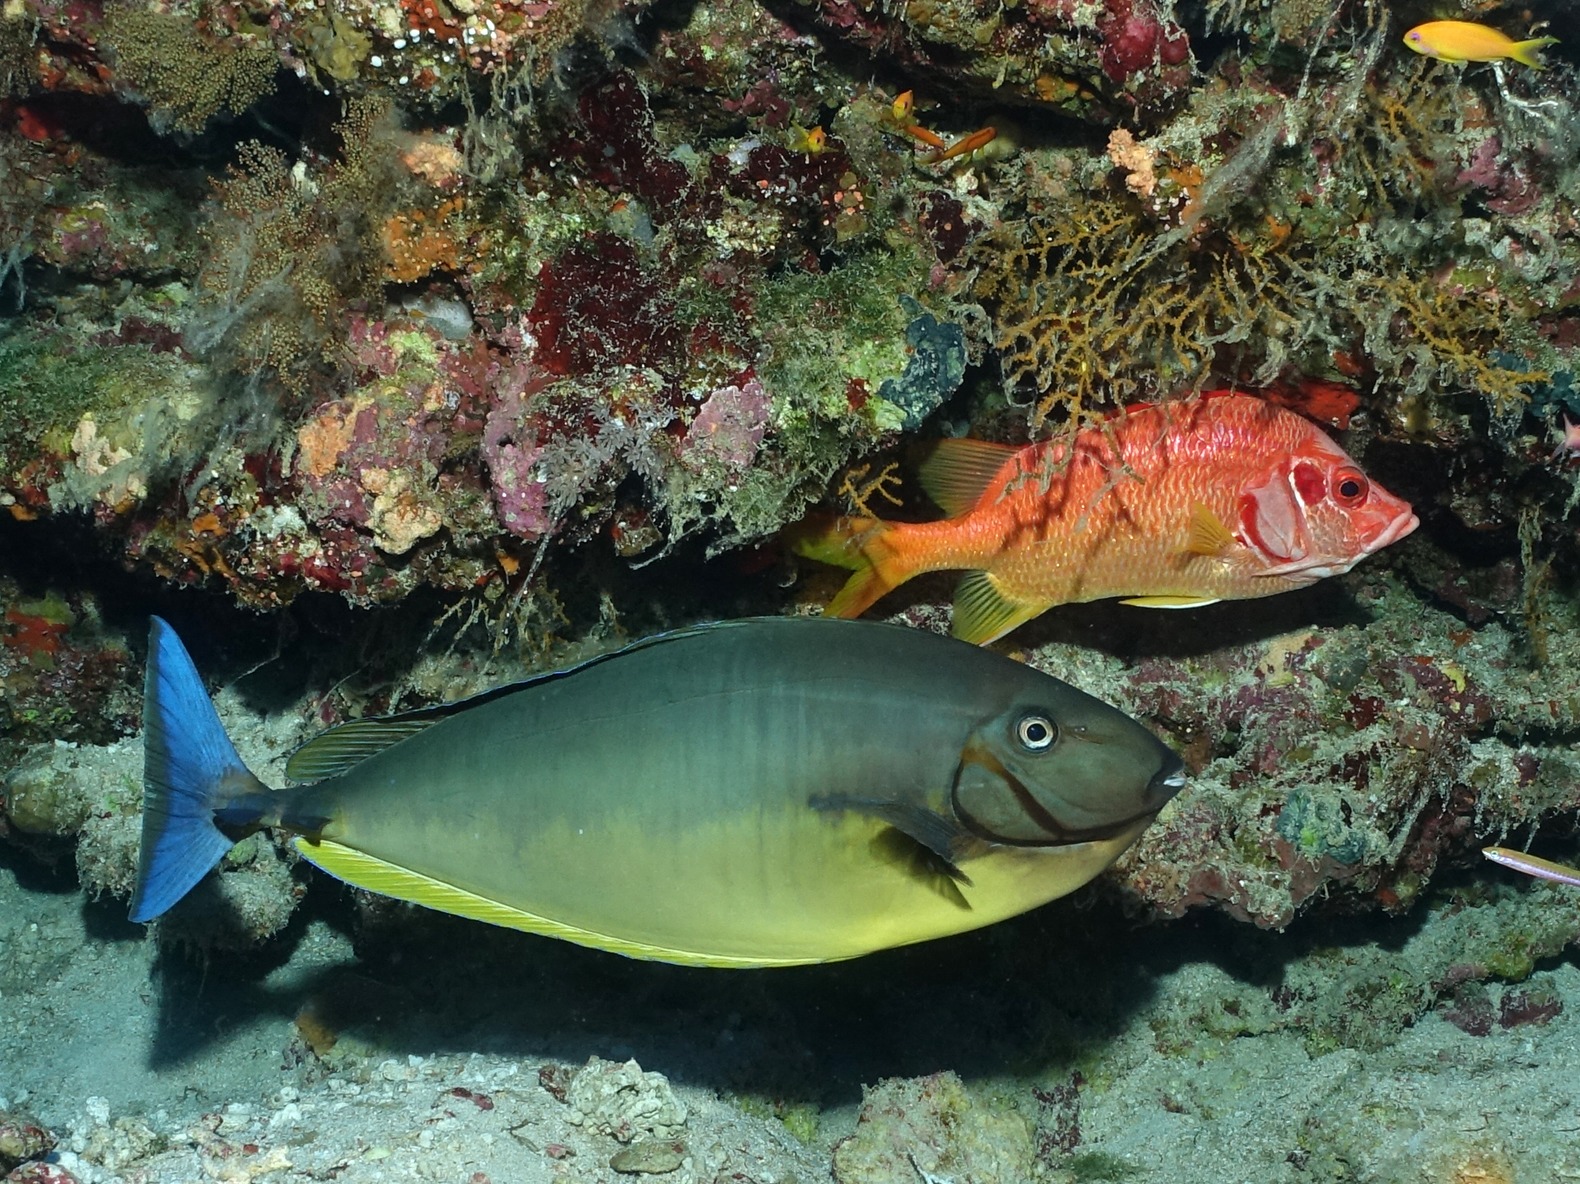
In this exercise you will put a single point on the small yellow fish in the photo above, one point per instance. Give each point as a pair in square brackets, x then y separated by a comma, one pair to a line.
[811, 142]
[1466, 41]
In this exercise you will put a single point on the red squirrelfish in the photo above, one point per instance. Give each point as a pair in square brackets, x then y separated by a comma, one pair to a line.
[1169, 505]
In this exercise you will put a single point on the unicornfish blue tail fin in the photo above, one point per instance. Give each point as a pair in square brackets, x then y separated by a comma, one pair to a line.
[190, 770]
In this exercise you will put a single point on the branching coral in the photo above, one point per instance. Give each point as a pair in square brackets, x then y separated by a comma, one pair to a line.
[1242, 260]
[187, 77]
[1091, 315]
[289, 253]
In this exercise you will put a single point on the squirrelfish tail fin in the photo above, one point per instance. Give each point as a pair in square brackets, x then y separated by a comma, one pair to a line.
[861, 544]
[190, 771]
[1529, 53]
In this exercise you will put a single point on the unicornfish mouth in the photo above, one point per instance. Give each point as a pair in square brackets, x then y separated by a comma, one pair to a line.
[1043, 828]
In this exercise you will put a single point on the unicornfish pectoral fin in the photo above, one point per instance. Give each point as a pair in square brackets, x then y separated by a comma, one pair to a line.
[943, 839]
[983, 612]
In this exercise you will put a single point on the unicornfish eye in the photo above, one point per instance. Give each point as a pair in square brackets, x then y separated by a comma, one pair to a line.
[1036, 733]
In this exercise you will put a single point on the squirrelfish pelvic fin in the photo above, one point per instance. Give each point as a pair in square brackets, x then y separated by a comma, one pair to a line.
[1168, 602]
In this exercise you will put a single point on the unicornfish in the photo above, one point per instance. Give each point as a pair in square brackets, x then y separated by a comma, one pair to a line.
[765, 792]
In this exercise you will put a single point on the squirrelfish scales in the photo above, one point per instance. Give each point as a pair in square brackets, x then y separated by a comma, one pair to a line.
[754, 793]
[1169, 505]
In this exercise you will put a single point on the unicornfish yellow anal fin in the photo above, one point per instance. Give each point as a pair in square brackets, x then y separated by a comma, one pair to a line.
[944, 838]
[1208, 534]
[1170, 601]
[983, 612]
[388, 879]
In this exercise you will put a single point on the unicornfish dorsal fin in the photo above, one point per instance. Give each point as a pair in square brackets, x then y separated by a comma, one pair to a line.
[345, 745]
[350, 744]
[959, 472]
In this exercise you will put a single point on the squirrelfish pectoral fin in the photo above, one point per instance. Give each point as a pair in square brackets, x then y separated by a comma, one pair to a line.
[959, 472]
[983, 613]
[1208, 534]
[388, 879]
[943, 838]
[1170, 601]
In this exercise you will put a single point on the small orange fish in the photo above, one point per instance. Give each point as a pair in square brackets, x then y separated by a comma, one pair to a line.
[1169, 505]
[1466, 41]
[812, 142]
[964, 146]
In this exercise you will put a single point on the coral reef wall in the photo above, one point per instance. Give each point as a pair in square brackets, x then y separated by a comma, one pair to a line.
[531, 323]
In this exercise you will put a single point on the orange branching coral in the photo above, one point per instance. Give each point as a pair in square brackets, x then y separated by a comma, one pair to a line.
[857, 488]
[418, 242]
[1094, 308]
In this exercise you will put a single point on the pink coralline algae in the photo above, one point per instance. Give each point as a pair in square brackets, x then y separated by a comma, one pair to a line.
[1135, 38]
[514, 456]
[728, 429]
[1504, 187]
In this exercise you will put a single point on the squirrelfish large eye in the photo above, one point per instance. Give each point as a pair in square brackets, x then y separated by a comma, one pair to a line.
[1036, 733]
[1350, 486]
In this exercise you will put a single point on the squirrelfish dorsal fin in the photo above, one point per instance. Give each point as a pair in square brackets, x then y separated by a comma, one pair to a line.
[983, 613]
[352, 743]
[959, 472]
[1208, 534]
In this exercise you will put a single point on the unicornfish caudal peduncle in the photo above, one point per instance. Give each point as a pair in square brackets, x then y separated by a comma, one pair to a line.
[754, 793]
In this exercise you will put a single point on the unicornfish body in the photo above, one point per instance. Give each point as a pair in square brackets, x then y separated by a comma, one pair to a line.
[754, 793]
